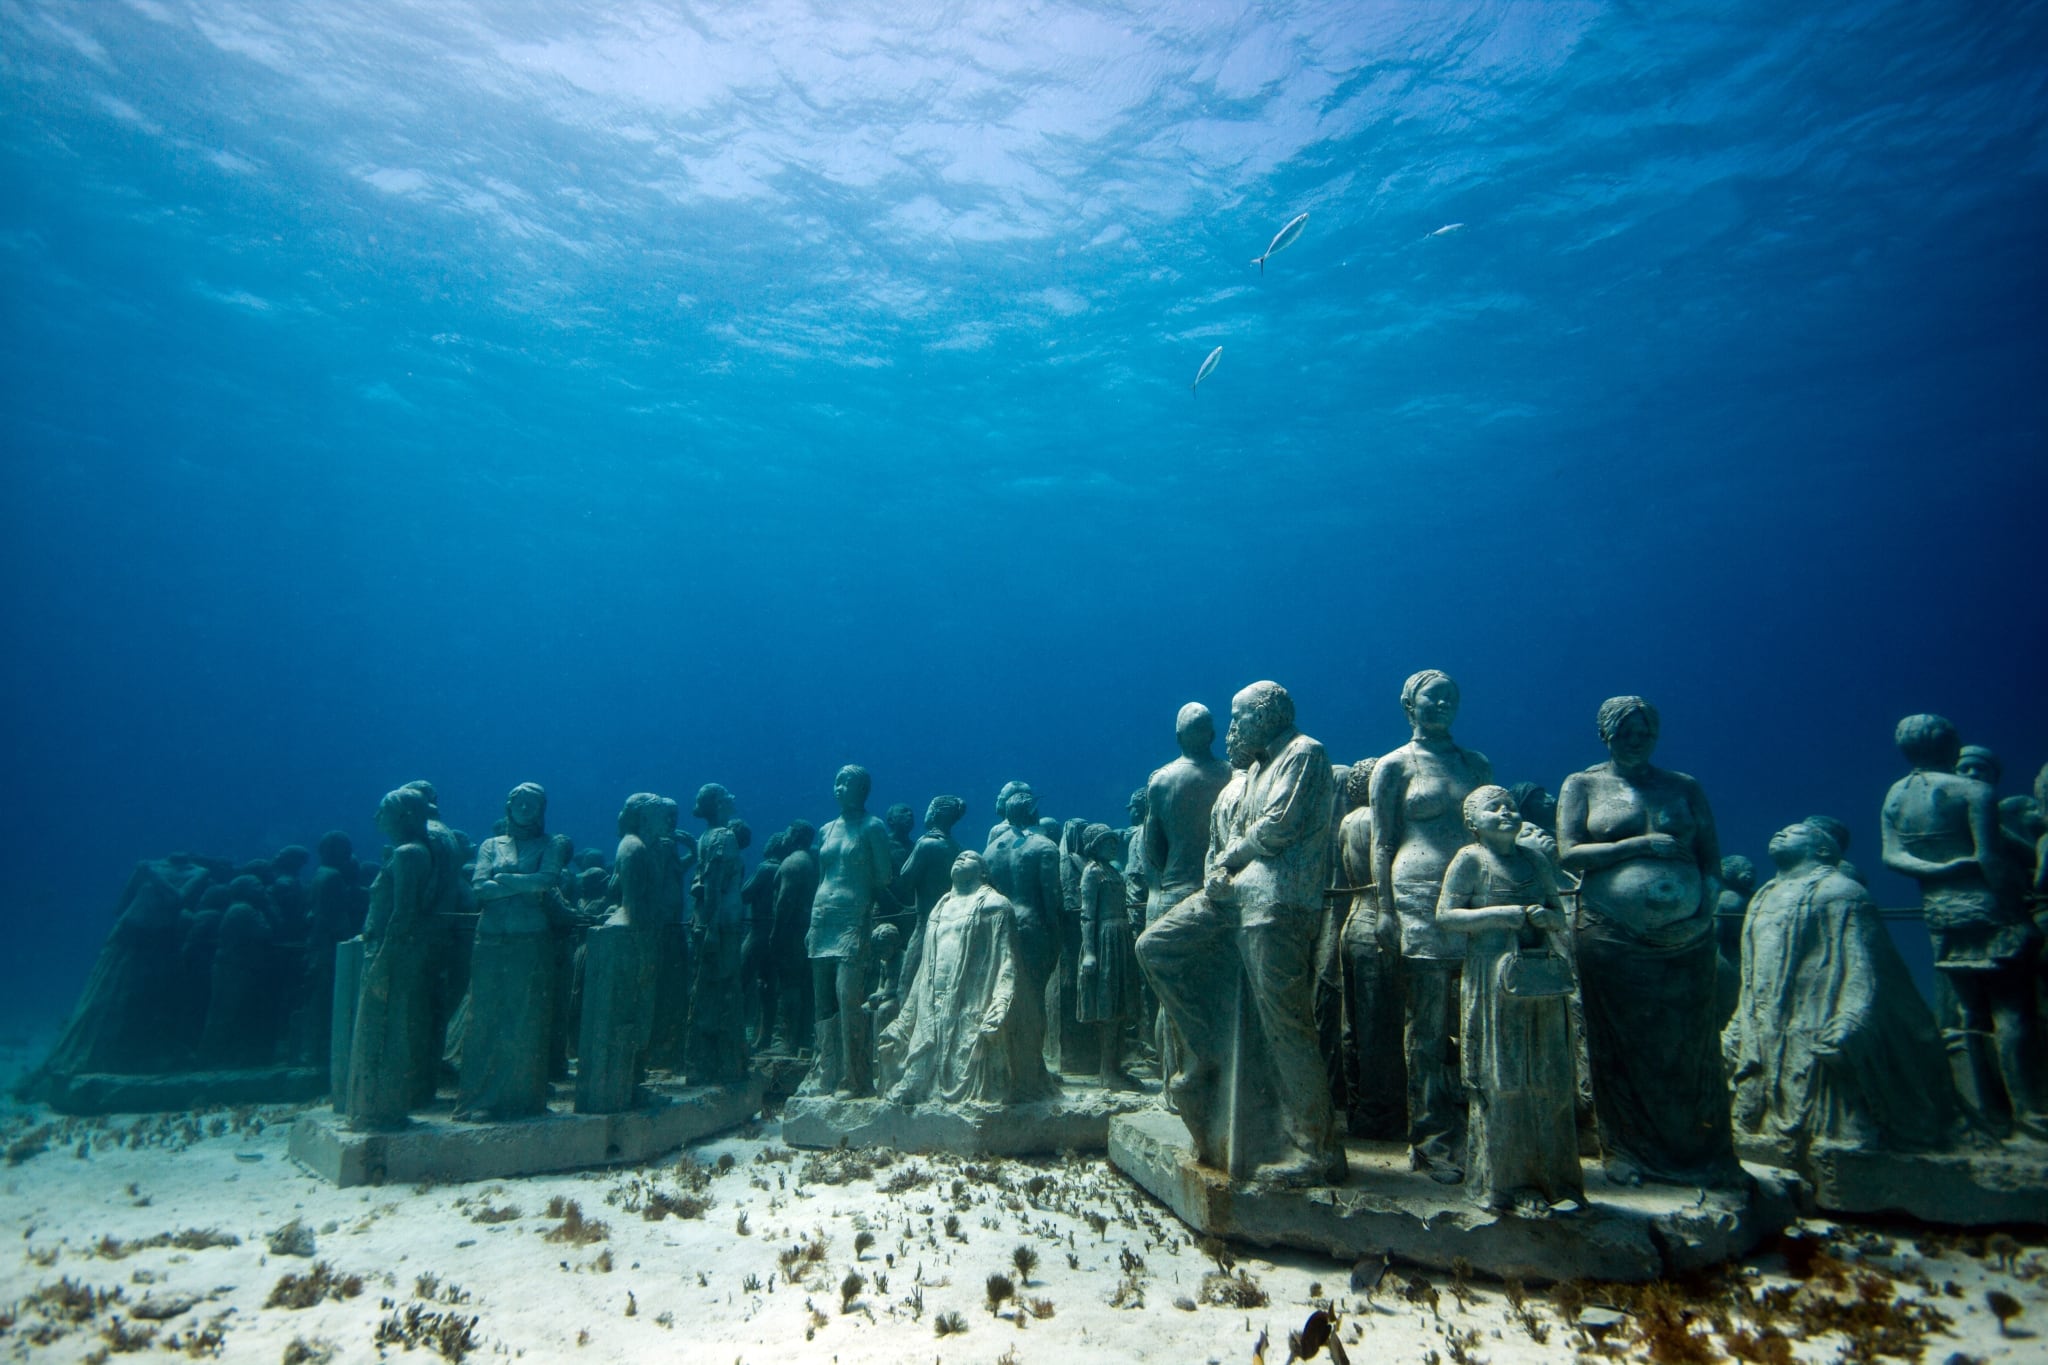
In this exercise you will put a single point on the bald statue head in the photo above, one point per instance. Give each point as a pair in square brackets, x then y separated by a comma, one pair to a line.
[1195, 728]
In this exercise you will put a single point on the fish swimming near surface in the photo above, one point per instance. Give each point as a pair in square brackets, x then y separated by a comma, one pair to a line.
[1446, 230]
[1282, 239]
[1208, 364]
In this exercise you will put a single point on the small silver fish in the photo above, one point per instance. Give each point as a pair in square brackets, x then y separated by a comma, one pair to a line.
[1282, 239]
[1446, 230]
[1208, 364]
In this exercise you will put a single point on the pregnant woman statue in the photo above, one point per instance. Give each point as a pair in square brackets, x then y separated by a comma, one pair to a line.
[1642, 839]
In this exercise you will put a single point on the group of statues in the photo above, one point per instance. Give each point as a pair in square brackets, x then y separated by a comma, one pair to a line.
[1399, 948]
[214, 965]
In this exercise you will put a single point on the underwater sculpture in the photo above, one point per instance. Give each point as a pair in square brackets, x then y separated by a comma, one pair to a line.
[336, 902]
[392, 1059]
[1024, 866]
[855, 869]
[619, 965]
[1250, 936]
[1942, 831]
[1174, 840]
[1070, 1043]
[1830, 1042]
[757, 896]
[507, 1036]
[1731, 903]
[955, 1040]
[1417, 796]
[926, 876]
[789, 968]
[122, 1021]
[1377, 1084]
[1515, 1045]
[717, 1049]
[1107, 977]
[1178, 799]
[1642, 840]
[242, 1005]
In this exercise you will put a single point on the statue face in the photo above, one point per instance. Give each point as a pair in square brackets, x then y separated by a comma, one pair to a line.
[968, 873]
[523, 808]
[1497, 816]
[1435, 707]
[1250, 731]
[1793, 845]
[1634, 741]
[1977, 768]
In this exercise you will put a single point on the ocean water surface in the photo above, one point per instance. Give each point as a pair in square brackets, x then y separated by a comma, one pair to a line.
[626, 396]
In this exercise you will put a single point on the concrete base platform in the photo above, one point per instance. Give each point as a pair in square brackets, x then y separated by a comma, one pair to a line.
[1076, 1122]
[2002, 1183]
[434, 1147]
[107, 1093]
[1622, 1234]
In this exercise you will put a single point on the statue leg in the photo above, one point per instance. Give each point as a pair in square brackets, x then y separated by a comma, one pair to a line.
[1281, 970]
[1436, 1109]
[857, 1046]
[1185, 956]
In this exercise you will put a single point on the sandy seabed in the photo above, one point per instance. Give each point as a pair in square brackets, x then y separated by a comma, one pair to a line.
[740, 1250]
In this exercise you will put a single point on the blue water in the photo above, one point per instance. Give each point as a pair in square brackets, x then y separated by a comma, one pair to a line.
[629, 396]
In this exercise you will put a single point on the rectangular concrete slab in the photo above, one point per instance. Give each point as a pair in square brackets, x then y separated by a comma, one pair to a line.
[1078, 1121]
[1991, 1185]
[108, 1093]
[436, 1148]
[1384, 1208]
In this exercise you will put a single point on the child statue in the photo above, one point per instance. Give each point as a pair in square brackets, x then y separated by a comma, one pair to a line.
[1516, 1060]
[1107, 980]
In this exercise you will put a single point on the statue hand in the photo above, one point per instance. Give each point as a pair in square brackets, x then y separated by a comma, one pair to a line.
[1087, 962]
[1218, 887]
[1664, 845]
[1546, 917]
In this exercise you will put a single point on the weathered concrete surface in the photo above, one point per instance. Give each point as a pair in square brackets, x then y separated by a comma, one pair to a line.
[1997, 1184]
[1078, 1122]
[106, 1093]
[439, 1149]
[1621, 1234]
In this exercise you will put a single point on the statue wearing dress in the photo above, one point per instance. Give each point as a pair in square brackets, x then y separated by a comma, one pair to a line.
[1830, 1041]
[955, 1039]
[1515, 1044]
[1642, 839]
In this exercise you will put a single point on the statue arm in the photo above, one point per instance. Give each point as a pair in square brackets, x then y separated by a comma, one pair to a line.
[882, 858]
[1895, 856]
[1389, 788]
[1579, 855]
[1299, 801]
[1454, 908]
[409, 865]
[1155, 842]
[1851, 921]
[1706, 847]
[1095, 887]
[1984, 834]
[1004, 992]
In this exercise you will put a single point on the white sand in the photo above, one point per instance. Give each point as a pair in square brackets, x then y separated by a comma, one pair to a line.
[686, 1279]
